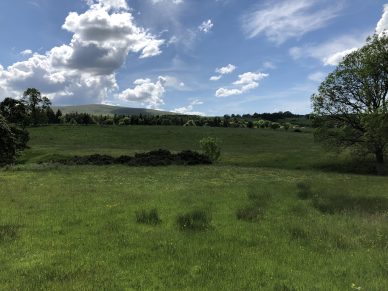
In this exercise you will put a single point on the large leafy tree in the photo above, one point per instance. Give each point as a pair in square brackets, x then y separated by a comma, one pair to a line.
[7, 143]
[14, 111]
[351, 105]
[37, 105]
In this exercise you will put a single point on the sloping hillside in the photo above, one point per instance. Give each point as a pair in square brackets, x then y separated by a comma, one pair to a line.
[100, 109]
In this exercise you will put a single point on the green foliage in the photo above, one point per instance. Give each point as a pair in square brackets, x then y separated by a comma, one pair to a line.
[7, 143]
[150, 217]
[14, 111]
[351, 105]
[211, 148]
[195, 220]
[287, 126]
[275, 125]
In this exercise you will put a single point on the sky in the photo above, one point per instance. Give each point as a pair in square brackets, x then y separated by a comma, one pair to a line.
[208, 57]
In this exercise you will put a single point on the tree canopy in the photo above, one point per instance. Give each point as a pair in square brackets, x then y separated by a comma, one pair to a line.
[351, 105]
[7, 143]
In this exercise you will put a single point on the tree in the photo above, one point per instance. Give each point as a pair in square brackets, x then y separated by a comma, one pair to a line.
[7, 143]
[351, 105]
[210, 147]
[36, 104]
[14, 111]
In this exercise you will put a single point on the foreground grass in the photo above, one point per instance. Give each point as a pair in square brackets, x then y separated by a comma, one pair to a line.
[75, 227]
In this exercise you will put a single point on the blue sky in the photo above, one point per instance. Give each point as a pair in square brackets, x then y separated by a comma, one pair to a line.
[207, 57]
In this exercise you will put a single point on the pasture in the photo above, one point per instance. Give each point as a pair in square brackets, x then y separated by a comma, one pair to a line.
[285, 215]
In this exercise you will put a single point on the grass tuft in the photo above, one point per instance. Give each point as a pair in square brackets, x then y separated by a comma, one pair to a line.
[255, 208]
[150, 217]
[341, 203]
[194, 220]
[8, 232]
[304, 191]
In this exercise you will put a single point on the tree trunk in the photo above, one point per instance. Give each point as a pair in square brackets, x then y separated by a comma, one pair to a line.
[380, 167]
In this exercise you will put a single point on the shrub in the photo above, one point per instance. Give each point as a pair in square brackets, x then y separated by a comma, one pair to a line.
[153, 158]
[286, 126]
[211, 148]
[7, 143]
[73, 122]
[250, 124]
[275, 125]
[150, 217]
[194, 220]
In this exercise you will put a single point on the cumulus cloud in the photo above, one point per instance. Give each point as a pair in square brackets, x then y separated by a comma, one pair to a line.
[84, 70]
[189, 110]
[223, 71]
[246, 82]
[288, 19]
[171, 1]
[206, 26]
[146, 92]
[382, 25]
[26, 52]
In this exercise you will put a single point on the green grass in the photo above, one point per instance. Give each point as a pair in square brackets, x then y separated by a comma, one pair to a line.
[75, 228]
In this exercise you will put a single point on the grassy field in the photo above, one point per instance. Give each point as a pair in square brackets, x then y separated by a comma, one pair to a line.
[74, 227]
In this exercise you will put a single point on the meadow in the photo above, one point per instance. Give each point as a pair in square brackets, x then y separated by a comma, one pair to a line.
[285, 215]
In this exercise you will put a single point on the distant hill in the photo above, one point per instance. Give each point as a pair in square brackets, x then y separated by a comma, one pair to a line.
[100, 109]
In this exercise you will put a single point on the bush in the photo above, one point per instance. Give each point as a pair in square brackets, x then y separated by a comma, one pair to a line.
[211, 148]
[153, 158]
[148, 217]
[275, 125]
[194, 220]
[8, 143]
[21, 137]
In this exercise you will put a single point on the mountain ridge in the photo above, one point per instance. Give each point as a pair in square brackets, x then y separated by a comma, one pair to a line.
[102, 109]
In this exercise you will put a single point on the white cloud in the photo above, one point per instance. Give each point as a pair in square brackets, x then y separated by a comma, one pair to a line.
[223, 71]
[206, 26]
[170, 1]
[26, 52]
[189, 109]
[330, 53]
[246, 82]
[317, 76]
[215, 78]
[382, 25]
[146, 92]
[336, 58]
[289, 19]
[84, 70]
[226, 70]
